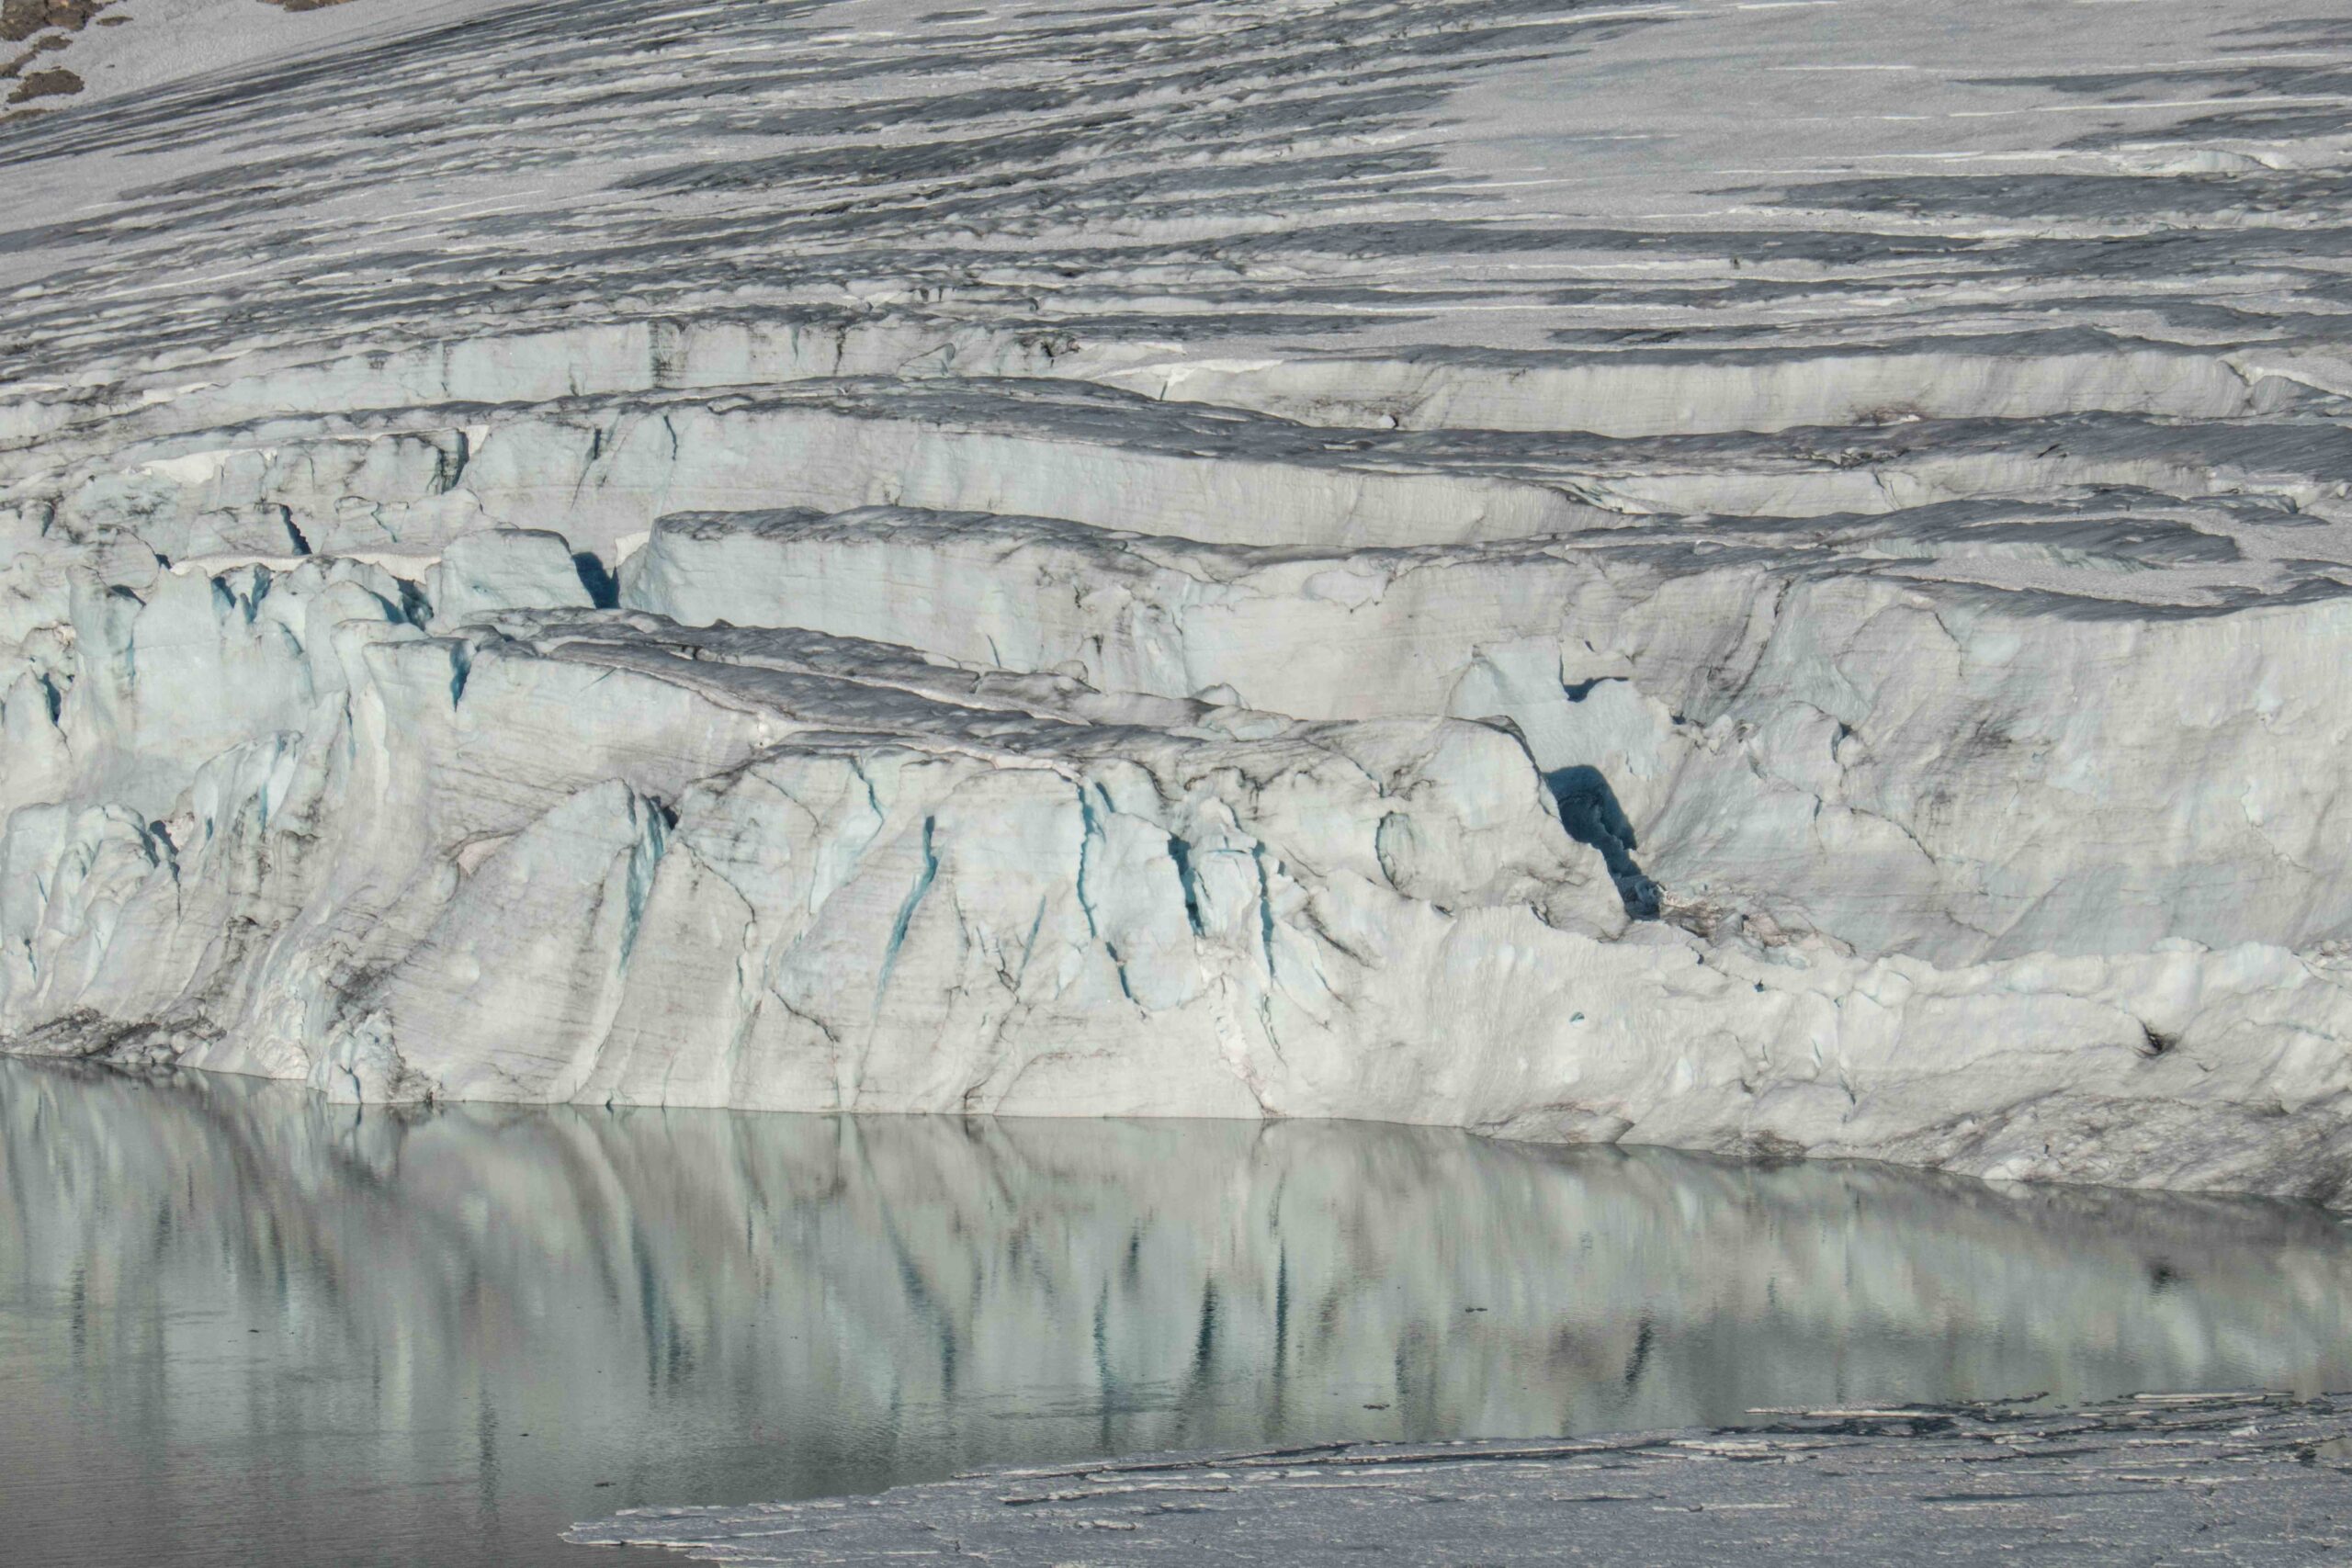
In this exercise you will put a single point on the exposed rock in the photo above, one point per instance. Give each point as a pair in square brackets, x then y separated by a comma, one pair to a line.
[19, 19]
[55, 82]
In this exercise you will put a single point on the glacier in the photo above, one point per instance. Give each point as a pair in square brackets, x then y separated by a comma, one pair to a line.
[1763, 579]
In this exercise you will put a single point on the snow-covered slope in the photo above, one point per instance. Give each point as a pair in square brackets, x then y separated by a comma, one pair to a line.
[1758, 577]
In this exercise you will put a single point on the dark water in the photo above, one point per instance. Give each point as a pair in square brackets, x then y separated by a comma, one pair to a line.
[238, 1326]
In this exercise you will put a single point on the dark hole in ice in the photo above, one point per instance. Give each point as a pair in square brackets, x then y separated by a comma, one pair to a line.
[1590, 812]
[602, 591]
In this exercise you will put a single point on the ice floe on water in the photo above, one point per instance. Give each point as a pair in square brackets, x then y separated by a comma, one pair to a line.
[2250, 1480]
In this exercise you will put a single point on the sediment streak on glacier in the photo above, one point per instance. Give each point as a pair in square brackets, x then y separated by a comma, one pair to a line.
[1761, 579]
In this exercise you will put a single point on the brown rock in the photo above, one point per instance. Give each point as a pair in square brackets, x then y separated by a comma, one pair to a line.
[53, 84]
[19, 19]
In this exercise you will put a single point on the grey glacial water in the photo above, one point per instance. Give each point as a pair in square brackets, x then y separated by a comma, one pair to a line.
[240, 1325]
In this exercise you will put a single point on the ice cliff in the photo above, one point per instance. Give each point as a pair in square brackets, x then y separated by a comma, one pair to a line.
[1770, 579]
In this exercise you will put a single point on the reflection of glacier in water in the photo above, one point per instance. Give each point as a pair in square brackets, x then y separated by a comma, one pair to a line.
[237, 1324]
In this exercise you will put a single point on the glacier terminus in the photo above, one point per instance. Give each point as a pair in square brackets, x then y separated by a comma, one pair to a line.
[1770, 579]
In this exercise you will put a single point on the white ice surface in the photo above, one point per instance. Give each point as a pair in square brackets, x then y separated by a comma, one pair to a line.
[1766, 578]
[158, 44]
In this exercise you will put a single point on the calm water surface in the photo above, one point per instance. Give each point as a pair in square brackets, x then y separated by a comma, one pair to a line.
[238, 1326]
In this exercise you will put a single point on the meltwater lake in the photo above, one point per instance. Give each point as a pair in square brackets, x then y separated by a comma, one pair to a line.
[240, 1325]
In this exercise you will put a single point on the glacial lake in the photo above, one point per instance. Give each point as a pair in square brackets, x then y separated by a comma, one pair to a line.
[240, 1325]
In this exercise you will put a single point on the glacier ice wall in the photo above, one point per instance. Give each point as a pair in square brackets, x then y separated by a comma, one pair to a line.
[1769, 580]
